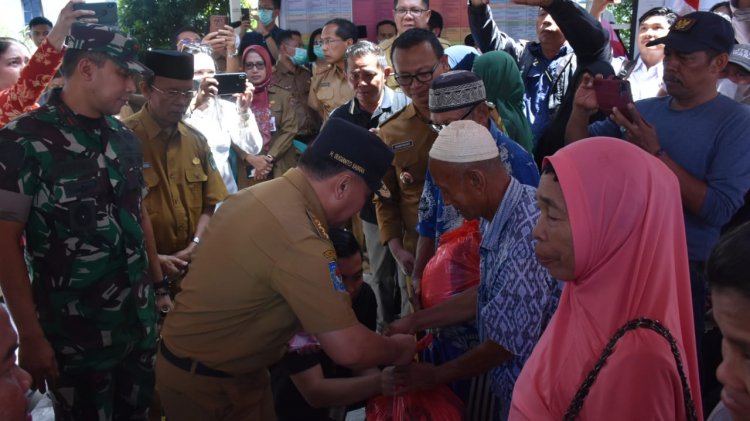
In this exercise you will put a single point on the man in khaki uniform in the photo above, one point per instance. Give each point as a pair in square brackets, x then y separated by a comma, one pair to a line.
[329, 87]
[291, 75]
[265, 271]
[183, 182]
[418, 58]
[408, 14]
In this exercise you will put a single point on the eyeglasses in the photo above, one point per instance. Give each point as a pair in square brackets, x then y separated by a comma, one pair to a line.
[323, 42]
[174, 93]
[414, 12]
[257, 65]
[437, 127]
[404, 79]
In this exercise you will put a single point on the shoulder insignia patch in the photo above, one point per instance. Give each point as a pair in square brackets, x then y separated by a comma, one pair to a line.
[335, 279]
[318, 225]
[330, 255]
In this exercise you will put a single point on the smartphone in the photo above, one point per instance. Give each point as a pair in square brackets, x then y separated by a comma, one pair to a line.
[105, 13]
[231, 83]
[217, 22]
[245, 12]
[612, 93]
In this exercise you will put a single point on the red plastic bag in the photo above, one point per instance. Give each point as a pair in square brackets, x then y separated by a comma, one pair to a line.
[455, 265]
[439, 404]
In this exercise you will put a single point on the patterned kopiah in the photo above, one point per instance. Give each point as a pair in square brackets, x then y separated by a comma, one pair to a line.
[84, 242]
[456, 89]
[122, 49]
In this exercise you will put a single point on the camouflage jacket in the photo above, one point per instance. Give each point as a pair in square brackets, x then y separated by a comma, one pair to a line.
[85, 249]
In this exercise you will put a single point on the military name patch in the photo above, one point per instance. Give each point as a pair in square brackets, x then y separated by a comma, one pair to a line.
[402, 146]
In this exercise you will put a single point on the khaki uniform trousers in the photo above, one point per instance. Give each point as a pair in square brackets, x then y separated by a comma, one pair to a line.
[193, 397]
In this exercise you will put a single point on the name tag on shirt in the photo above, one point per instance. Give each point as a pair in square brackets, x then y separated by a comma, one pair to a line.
[402, 146]
[272, 122]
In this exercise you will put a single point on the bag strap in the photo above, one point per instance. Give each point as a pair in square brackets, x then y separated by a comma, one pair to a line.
[583, 390]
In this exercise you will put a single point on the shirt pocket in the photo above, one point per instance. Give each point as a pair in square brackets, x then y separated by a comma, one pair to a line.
[80, 206]
[195, 178]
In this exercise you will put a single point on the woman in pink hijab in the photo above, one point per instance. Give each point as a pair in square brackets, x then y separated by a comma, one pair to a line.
[611, 226]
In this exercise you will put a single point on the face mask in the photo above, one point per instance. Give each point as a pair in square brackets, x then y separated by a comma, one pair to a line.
[300, 57]
[318, 50]
[266, 16]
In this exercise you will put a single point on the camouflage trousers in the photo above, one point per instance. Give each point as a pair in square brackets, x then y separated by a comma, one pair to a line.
[123, 392]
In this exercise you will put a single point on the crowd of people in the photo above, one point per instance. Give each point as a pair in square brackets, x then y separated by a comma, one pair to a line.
[243, 227]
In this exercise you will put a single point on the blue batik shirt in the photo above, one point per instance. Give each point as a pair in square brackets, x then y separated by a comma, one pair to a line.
[437, 218]
[517, 296]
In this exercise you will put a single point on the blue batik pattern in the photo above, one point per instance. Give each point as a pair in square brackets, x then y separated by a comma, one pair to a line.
[517, 296]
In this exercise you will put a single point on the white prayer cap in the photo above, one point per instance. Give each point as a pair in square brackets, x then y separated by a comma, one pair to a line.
[464, 141]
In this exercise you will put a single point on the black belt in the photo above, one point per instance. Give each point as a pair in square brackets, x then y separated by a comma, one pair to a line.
[189, 365]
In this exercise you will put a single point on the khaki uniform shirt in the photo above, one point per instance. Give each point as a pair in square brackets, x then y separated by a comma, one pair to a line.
[329, 90]
[411, 138]
[181, 177]
[297, 81]
[262, 272]
[280, 146]
[387, 46]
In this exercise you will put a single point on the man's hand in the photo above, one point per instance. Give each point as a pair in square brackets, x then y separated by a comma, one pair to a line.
[585, 97]
[407, 348]
[172, 265]
[403, 325]
[186, 254]
[414, 376]
[402, 256]
[639, 131]
[263, 165]
[36, 356]
[221, 41]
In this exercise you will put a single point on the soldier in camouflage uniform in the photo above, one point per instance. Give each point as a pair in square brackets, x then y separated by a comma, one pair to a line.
[71, 182]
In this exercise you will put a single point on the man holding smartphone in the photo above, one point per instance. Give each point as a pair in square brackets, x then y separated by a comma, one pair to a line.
[702, 136]
[184, 184]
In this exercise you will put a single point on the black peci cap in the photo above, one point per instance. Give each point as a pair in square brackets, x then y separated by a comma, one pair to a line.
[356, 148]
[170, 64]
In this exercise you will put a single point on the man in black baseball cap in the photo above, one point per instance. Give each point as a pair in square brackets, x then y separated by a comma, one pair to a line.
[702, 136]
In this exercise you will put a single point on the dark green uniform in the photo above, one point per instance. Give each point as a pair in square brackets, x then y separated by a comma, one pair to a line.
[80, 181]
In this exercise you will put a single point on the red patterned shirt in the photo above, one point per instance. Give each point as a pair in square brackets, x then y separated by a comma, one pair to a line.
[21, 97]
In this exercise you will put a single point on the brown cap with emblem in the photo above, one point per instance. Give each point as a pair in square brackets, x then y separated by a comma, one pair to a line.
[698, 31]
[355, 148]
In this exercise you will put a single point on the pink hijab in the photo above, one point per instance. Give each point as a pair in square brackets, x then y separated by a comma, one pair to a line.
[261, 104]
[626, 220]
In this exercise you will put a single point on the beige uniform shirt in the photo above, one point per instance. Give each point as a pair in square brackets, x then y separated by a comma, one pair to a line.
[282, 134]
[411, 138]
[387, 46]
[262, 272]
[329, 90]
[297, 81]
[181, 177]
